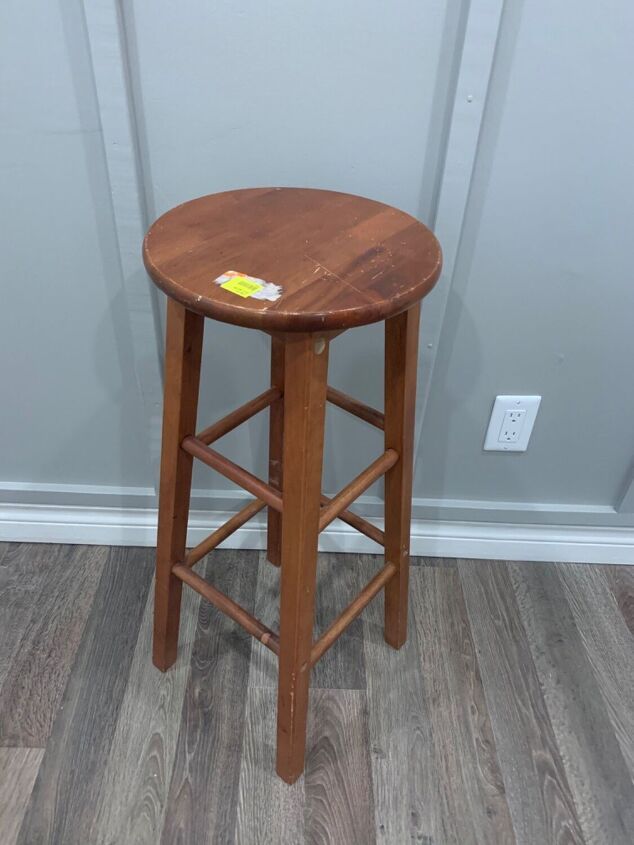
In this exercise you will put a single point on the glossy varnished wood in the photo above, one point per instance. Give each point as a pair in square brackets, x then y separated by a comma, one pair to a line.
[401, 358]
[305, 385]
[331, 261]
[239, 416]
[341, 260]
[276, 448]
[183, 351]
[226, 530]
[356, 487]
[351, 612]
[229, 607]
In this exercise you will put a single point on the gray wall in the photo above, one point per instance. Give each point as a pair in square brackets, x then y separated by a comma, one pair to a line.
[353, 96]
[70, 407]
[542, 299]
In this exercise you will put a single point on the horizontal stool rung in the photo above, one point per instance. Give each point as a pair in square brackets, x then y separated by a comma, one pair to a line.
[359, 523]
[225, 530]
[240, 415]
[250, 624]
[353, 406]
[351, 612]
[233, 472]
[356, 487]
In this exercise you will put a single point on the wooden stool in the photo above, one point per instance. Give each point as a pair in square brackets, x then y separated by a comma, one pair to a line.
[316, 263]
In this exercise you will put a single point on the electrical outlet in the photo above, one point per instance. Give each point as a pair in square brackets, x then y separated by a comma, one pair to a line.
[511, 423]
[512, 426]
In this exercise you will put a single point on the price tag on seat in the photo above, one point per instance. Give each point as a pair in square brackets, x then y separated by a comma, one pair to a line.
[243, 286]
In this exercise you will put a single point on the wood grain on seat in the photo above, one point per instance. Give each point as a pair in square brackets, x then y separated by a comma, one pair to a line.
[341, 260]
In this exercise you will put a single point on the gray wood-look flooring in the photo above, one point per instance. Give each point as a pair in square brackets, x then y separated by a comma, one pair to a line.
[508, 716]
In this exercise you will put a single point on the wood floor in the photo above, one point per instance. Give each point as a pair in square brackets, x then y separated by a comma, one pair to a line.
[508, 716]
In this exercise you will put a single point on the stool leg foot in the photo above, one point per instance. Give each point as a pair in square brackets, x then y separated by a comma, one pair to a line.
[306, 369]
[182, 375]
[401, 357]
[276, 440]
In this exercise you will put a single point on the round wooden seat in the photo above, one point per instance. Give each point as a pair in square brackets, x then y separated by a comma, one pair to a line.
[326, 260]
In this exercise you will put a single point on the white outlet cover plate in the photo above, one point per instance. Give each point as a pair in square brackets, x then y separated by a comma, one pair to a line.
[530, 404]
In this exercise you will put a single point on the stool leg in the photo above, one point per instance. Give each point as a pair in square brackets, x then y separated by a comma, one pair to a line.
[183, 349]
[276, 440]
[305, 381]
[401, 358]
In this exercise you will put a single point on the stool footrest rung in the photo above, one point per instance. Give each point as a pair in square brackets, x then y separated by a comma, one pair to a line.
[356, 487]
[351, 612]
[225, 530]
[239, 416]
[250, 624]
[358, 409]
[233, 472]
[359, 523]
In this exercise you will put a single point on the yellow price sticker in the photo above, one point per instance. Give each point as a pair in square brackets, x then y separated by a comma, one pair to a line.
[242, 286]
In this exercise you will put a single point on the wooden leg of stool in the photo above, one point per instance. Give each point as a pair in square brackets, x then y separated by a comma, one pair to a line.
[401, 358]
[276, 440]
[305, 382]
[183, 351]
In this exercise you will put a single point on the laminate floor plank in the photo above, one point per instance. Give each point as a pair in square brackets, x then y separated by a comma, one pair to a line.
[472, 806]
[594, 763]
[507, 715]
[339, 580]
[404, 782]
[19, 585]
[269, 810]
[537, 790]
[332, 802]
[24, 569]
[203, 793]
[608, 644]
[621, 581]
[70, 777]
[18, 770]
[35, 681]
[132, 801]
[338, 774]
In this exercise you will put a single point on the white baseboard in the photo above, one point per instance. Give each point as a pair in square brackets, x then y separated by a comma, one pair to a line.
[432, 538]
